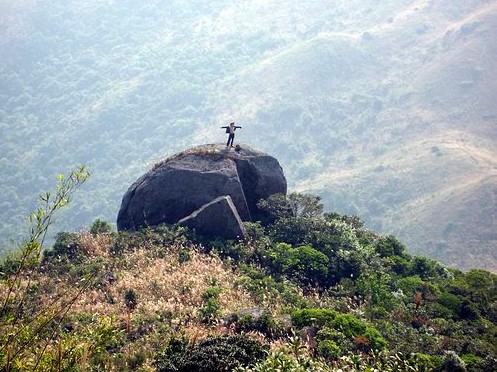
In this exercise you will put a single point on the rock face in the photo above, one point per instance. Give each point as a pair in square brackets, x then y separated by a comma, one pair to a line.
[185, 182]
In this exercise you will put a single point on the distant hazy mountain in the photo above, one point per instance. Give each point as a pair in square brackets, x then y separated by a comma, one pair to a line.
[387, 109]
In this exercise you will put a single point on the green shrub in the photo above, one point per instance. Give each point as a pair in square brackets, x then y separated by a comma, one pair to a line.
[365, 337]
[265, 324]
[424, 362]
[304, 264]
[468, 310]
[452, 362]
[472, 361]
[211, 308]
[414, 284]
[267, 288]
[100, 227]
[333, 323]
[313, 317]
[222, 353]
[450, 302]
[426, 268]
[65, 247]
[400, 265]
[390, 246]
[375, 340]
[349, 325]
[329, 349]
[332, 343]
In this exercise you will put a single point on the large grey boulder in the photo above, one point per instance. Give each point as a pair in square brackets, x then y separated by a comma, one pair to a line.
[217, 218]
[183, 183]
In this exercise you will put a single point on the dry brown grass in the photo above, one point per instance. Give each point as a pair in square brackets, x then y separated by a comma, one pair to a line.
[162, 283]
[168, 290]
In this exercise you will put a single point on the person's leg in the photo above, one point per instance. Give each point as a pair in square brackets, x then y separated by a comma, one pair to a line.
[229, 138]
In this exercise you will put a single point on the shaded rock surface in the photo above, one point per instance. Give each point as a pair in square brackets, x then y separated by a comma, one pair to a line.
[183, 183]
[217, 218]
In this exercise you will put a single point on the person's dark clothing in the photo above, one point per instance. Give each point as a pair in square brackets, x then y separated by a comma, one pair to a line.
[231, 138]
[230, 129]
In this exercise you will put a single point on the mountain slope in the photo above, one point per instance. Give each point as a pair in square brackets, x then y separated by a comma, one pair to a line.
[362, 103]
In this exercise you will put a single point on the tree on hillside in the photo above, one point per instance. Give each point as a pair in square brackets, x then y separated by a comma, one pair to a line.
[292, 205]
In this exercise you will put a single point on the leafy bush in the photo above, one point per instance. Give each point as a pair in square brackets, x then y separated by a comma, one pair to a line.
[390, 246]
[65, 249]
[453, 363]
[400, 265]
[336, 239]
[414, 284]
[450, 302]
[332, 343]
[268, 289]
[303, 264]
[292, 356]
[222, 353]
[211, 308]
[426, 268]
[468, 310]
[329, 349]
[292, 205]
[100, 227]
[337, 327]
[264, 323]
[313, 317]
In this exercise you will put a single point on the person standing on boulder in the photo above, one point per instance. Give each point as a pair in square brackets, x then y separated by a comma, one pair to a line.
[231, 133]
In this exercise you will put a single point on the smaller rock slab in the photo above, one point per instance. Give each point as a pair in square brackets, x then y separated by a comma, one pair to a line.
[216, 218]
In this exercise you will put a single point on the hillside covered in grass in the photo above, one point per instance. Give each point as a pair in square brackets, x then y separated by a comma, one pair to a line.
[310, 291]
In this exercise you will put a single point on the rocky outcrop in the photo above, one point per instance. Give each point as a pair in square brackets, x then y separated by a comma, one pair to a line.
[184, 183]
[217, 218]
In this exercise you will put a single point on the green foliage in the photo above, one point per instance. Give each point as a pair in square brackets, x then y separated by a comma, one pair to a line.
[332, 343]
[305, 205]
[313, 317]
[336, 239]
[263, 323]
[390, 246]
[271, 291]
[223, 353]
[375, 286]
[468, 310]
[292, 357]
[472, 362]
[64, 254]
[353, 327]
[160, 236]
[211, 308]
[28, 328]
[426, 268]
[276, 206]
[452, 362]
[450, 302]
[413, 284]
[336, 328]
[329, 349]
[292, 205]
[100, 227]
[303, 264]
